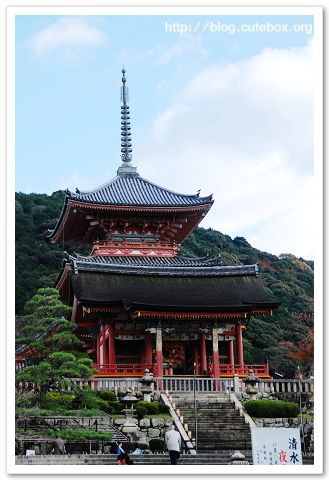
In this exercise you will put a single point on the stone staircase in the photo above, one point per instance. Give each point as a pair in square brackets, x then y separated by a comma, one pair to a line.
[220, 427]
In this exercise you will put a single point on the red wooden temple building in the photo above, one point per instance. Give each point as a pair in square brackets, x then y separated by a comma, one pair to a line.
[137, 301]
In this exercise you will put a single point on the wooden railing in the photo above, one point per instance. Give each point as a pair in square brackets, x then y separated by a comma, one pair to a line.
[125, 369]
[130, 367]
[239, 369]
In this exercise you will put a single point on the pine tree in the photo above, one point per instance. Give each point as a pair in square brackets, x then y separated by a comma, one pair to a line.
[53, 351]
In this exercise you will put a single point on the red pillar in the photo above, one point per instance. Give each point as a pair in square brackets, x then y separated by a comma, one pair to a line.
[105, 346]
[111, 349]
[196, 358]
[98, 350]
[203, 354]
[158, 350]
[231, 354]
[215, 352]
[148, 350]
[101, 346]
[238, 332]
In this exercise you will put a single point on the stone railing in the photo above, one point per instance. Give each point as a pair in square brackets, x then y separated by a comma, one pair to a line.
[200, 384]
[287, 386]
[186, 436]
[187, 384]
[239, 406]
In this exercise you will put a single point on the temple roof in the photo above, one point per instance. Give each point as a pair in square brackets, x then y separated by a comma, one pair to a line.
[167, 292]
[180, 283]
[127, 194]
[173, 266]
[133, 190]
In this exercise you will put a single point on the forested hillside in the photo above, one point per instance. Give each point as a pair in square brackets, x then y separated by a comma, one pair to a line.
[286, 338]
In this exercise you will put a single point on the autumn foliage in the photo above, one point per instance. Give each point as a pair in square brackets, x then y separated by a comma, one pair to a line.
[305, 353]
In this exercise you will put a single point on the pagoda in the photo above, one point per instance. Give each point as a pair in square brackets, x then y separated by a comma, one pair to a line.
[137, 301]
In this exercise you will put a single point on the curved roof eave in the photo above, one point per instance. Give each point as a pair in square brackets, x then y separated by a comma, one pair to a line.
[133, 190]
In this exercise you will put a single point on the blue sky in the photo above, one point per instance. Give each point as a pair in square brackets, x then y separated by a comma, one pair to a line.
[227, 113]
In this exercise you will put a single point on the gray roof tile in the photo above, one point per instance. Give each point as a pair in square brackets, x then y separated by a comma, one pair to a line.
[134, 190]
[172, 266]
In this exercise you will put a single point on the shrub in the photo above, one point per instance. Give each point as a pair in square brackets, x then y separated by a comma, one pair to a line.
[52, 397]
[157, 445]
[68, 399]
[74, 434]
[153, 408]
[142, 403]
[271, 409]
[163, 408]
[58, 401]
[27, 400]
[141, 411]
[117, 407]
[31, 412]
[85, 398]
[103, 405]
[107, 395]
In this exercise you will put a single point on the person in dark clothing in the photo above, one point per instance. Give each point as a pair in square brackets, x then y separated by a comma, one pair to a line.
[59, 446]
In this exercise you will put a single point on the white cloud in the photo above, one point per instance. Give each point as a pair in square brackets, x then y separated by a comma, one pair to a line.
[187, 47]
[244, 131]
[67, 32]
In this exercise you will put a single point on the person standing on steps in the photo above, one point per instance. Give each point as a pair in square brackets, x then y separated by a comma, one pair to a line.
[59, 446]
[173, 442]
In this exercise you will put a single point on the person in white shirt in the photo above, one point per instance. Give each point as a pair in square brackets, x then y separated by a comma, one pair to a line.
[173, 442]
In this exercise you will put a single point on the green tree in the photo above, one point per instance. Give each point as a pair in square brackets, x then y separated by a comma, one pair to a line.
[54, 354]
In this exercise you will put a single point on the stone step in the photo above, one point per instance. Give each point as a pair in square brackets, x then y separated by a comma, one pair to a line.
[221, 433]
[210, 401]
[222, 439]
[211, 421]
[210, 405]
[211, 415]
[205, 401]
[220, 458]
[220, 424]
[224, 442]
[219, 427]
[209, 409]
[200, 394]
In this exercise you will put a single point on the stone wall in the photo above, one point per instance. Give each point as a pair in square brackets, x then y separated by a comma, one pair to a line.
[147, 428]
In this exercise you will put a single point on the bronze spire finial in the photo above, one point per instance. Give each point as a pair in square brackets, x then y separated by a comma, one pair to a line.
[126, 150]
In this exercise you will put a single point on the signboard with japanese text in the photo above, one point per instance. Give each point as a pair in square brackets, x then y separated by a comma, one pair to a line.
[276, 446]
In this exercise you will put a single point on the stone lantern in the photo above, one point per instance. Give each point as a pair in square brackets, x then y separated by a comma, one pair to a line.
[252, 385]
[147, 382]
[129, 399]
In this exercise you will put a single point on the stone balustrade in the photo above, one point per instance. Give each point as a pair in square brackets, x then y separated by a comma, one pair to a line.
[201, 384]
